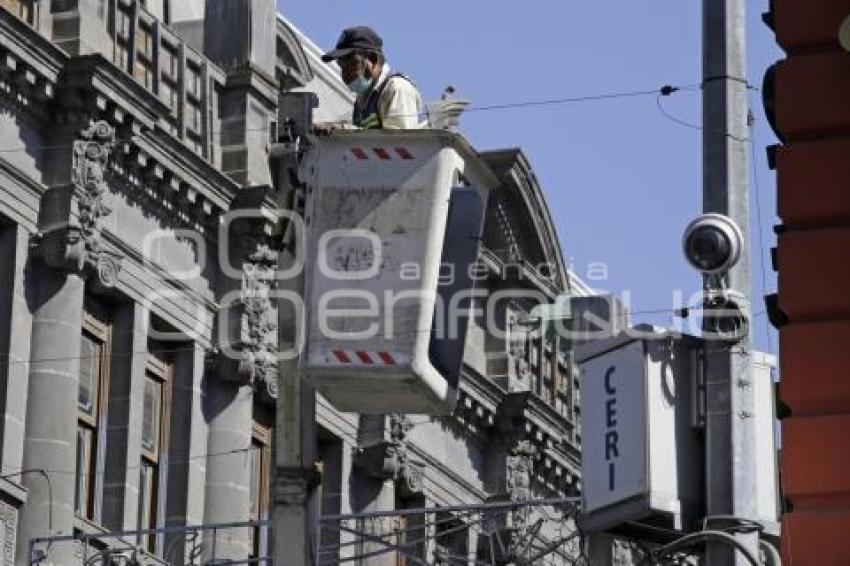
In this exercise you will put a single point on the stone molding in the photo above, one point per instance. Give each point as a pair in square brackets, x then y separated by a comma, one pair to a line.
[522, 416]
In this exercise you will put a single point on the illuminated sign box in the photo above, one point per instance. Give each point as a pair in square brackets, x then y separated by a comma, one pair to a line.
[641, 457]
[642, 440]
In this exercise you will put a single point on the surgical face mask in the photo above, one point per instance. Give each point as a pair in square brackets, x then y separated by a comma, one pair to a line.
[360, 85]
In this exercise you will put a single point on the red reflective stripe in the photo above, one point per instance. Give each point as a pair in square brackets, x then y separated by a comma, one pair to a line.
[342, 356]
[403, 153]
[359, 153]
[364, 357]
[382, 153]
[387, 358]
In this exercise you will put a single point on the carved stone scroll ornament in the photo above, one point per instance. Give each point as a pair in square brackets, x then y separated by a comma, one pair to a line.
[390, 459]
[258, 364]
[76, 246]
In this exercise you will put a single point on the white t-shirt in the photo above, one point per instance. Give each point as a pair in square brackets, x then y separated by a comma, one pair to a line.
[400, 105]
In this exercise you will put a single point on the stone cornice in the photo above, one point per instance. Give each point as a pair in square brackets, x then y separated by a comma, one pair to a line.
[26, 181]
[34, 72]
[419, 455]
[187, 177]
[478, 400]
[547, 430]
[42, 56]
[250, 77]
[30, 67]
[164, 281]
[93, 78]
[484, 406]
[150, 157]
[497, 266]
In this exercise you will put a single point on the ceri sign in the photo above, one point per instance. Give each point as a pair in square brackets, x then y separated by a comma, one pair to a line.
[613, 427]
[642, 451]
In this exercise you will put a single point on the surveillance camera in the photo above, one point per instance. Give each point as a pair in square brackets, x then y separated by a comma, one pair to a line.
[712, 243]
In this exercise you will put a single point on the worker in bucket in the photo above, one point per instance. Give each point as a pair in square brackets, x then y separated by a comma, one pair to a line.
[385, 100]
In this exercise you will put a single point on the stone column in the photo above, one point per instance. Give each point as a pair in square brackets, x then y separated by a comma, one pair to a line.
[51, 423]
[241, 36]
[229, 409]
[189, 438]
[126, 405]
[14, 346]
[245, 365]
[69, 250]
[382, 463]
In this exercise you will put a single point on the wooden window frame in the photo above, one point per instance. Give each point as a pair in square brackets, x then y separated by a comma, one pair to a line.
[262, 437]
[162, 371]
[101, 332]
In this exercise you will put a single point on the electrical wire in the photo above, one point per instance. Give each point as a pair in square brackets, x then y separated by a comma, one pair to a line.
[573, 100]
[689, 125]
[702, 536]
[762, 250]
[104, 471]
[472, 108]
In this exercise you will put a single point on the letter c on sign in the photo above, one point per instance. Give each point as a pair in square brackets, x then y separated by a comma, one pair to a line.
[610, 389]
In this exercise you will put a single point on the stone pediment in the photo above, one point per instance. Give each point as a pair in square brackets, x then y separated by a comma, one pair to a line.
[519, 227]
[293, 68]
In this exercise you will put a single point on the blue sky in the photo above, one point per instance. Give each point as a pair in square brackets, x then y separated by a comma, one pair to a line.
[621, 179]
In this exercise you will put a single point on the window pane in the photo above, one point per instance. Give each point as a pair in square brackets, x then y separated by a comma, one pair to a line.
[82, 487]
[151, 415]
[89, 378]
[147, 504]
[256, 481]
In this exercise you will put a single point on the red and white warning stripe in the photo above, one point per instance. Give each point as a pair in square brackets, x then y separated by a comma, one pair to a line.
[364, 358]
[382, 153]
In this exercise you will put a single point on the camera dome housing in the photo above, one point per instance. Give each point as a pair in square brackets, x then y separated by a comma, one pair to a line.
[712, 244]
[844, 34]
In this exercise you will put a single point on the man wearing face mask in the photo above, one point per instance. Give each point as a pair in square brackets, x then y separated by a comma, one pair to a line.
[385, 100]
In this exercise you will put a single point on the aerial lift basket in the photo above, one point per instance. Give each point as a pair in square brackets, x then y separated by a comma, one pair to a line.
[385, 210]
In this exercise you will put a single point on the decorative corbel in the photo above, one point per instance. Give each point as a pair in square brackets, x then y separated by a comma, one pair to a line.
[252, 320]
[519, 471]
[76, 246]
[258, 364]
[390, 459]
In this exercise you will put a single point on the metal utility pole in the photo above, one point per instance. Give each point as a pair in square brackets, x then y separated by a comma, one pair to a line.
[730, 426]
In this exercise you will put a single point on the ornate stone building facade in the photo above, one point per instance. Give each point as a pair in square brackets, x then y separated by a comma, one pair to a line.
[129, 132]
